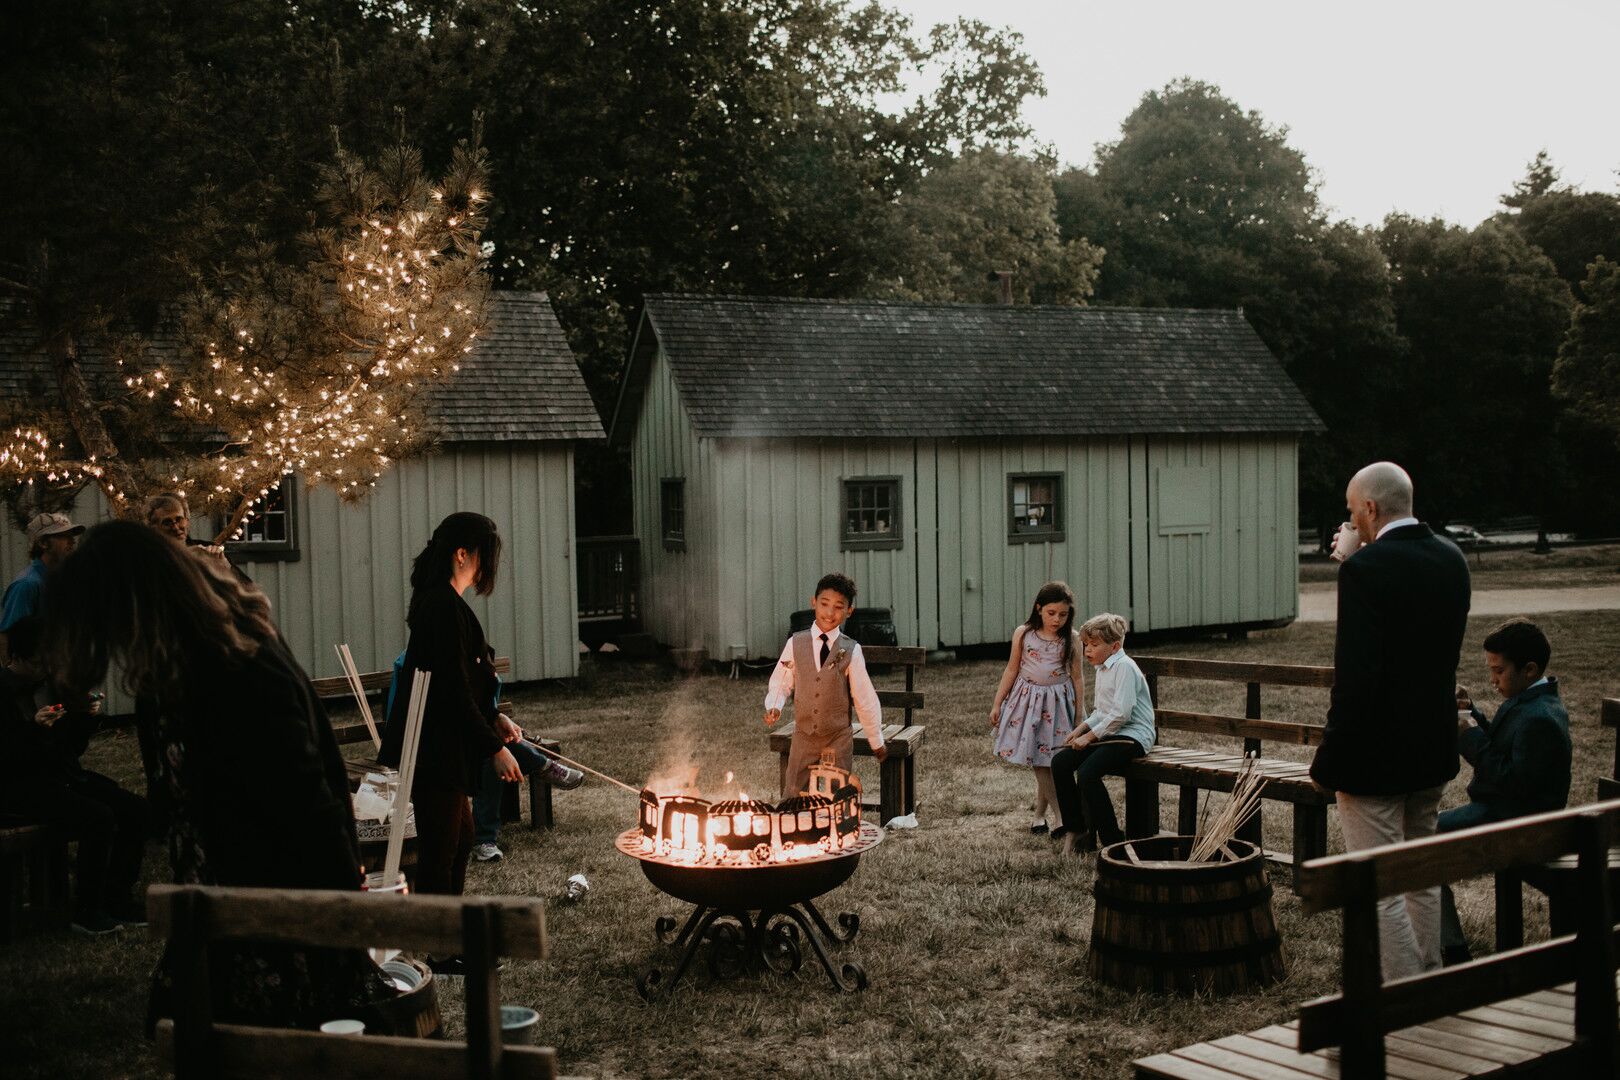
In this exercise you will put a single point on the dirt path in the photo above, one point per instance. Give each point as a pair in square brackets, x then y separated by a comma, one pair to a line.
[1318, 600]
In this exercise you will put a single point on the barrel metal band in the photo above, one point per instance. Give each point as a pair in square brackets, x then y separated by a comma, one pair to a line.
[1132, 906]
[1186, 959]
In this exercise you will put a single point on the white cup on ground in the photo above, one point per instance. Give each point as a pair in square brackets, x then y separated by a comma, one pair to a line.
[344, 1027]
[518, 1024]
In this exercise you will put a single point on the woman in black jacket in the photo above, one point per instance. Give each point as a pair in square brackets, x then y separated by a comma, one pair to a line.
[260, 794]
[460, 726]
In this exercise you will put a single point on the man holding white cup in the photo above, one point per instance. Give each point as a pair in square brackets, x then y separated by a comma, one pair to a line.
[1390, 743]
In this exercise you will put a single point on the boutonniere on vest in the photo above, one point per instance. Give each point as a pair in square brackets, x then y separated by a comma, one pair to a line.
[840, 659]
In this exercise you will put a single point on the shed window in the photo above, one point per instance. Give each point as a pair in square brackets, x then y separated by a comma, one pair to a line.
[672, 513]
[271, 533]
[871, 513]
[1034, 507]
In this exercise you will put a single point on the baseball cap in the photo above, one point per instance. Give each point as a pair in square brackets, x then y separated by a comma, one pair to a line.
[43, 525]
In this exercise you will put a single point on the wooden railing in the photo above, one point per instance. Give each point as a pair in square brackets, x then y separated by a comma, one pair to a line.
[609, 569]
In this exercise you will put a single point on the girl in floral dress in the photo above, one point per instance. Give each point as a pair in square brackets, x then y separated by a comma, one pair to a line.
[1039, 695]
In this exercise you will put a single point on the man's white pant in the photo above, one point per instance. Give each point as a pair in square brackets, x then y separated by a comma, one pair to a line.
[1408, 923]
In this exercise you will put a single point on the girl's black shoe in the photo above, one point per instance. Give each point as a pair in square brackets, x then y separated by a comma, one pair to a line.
[1037, 828]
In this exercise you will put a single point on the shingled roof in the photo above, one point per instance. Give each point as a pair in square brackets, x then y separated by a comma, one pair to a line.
[519, 384]
[776, 367]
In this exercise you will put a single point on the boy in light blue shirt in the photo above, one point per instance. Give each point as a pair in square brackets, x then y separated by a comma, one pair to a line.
[1119, 728]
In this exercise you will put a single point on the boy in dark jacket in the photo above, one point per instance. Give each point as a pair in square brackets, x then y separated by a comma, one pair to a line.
[1521, 756]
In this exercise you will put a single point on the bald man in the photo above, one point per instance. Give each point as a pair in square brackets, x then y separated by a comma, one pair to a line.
[1390, 745]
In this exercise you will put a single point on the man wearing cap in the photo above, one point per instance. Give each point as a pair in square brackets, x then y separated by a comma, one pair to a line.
[50, 538]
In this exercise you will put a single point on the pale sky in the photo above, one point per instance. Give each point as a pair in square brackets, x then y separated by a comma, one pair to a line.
[1430, 107]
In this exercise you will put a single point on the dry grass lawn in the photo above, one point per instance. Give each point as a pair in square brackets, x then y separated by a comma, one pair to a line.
[973, 932]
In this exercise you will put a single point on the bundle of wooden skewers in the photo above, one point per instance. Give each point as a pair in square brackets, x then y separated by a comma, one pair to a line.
[1210, 843]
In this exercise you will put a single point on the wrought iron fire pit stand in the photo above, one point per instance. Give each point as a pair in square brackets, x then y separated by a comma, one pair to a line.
[754, 918]
[740, 940]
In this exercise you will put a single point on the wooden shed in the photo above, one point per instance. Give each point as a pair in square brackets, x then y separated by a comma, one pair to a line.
[951, 458]
[334, 572]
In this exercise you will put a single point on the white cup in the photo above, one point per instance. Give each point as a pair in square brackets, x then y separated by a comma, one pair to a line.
[344, 1027]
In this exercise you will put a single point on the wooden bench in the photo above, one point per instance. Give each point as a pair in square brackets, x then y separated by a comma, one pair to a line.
[376, 684]
[1514, 1013]
[1556, 879]
[33, 877]
[897, 775]
[481, 929]
[1192, 771]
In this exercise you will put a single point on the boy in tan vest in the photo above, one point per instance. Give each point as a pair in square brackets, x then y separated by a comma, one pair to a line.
[823, 671]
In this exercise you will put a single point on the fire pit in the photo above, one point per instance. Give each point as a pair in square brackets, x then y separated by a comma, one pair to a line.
[750, 870]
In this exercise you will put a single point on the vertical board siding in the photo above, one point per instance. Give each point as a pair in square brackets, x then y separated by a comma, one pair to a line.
[665, 446]
[764, 516]
[351, 580]
[780, 518]
[1244, 568]
[1093, 557]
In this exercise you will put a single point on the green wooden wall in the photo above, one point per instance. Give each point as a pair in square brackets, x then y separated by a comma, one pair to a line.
[1167, 531]
[351, 581]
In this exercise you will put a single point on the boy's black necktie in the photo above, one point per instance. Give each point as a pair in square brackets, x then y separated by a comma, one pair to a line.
[824, 651]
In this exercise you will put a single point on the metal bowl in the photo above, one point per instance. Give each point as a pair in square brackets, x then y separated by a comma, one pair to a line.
[755, 886]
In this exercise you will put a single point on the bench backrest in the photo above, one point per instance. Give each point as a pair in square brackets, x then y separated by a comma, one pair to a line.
[1368, 1008]
[1250, 727]
[482, 929]
[909, 656]
[375, 684]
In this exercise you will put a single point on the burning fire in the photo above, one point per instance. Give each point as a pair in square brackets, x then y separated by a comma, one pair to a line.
[687, 829]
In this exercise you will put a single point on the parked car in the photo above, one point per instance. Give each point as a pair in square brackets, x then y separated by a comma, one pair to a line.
[1464, 535]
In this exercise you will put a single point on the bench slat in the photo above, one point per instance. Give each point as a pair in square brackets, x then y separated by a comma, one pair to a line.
[1404, 1060]
[1239, 727]
[900, 699]
[273, 1053]
[1535, 1045]
[1179, 667]
[909, 655]
[377, 682]
[428, 924]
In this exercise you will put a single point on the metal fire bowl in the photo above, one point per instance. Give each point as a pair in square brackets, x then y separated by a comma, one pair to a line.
[755, 886]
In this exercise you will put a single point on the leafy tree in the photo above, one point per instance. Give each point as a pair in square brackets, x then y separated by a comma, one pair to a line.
[1587, 373]
[1196, 201]
[986, 211]
[1573, 228]
[1200, 203]
[1474, 419]
[750, 146]
[165, 160]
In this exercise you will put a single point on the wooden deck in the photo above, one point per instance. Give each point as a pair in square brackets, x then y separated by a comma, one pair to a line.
[1495, 1040]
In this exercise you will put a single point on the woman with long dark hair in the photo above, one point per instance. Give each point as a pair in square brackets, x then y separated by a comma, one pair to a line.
[460, 726]
[260, 794]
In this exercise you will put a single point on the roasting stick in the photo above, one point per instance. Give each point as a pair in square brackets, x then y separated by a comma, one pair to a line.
[407, 775]
[587, 768]
[352, 673]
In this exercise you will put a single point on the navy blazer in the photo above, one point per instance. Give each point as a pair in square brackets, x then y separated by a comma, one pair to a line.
[1392, 724]
[1521, 757]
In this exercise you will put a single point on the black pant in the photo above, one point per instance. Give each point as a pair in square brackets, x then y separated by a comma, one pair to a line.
[159, 799]
[109, 823]
[1078, 777]
[444, 838]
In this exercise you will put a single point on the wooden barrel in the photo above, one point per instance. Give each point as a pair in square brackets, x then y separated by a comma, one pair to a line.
[1164, 924]
[414, 1014]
